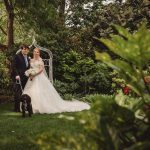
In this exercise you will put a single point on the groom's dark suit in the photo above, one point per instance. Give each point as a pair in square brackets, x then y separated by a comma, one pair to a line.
[18, 69]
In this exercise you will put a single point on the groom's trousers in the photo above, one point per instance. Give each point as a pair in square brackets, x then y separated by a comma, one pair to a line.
[17, 94]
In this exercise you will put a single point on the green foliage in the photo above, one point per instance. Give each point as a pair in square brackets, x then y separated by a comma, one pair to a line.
[114, 124]
[35, 19]
[4, 74]
[82, 75]
[102, 79]
[117, 82]
[2, 23]
[135, 53]
[129, 124]
[61, 86]
[84, 20]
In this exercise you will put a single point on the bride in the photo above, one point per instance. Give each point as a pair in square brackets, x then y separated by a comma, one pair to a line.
[44, 97]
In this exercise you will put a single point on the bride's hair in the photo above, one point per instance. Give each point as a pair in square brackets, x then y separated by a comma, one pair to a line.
[36, 48]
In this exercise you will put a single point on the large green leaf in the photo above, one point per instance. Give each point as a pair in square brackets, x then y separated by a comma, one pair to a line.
[134, 49]
[124, 32]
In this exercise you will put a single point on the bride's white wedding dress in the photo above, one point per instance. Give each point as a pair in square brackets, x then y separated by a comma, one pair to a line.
[45, 98]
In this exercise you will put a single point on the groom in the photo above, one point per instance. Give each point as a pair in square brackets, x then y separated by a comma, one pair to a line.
[20, 64]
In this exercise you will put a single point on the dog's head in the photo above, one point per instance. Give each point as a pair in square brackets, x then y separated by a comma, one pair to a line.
[25, 98]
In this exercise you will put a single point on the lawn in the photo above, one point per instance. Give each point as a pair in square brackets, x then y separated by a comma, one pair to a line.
[38, 132]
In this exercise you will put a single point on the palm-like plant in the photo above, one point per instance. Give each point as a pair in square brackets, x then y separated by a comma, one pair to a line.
[134, 55]
[134, 52]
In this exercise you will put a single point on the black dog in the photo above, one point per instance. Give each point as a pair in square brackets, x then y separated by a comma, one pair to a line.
[26, 105]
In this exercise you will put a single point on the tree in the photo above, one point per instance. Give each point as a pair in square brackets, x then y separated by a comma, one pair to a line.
[10, 22]
[62, 5]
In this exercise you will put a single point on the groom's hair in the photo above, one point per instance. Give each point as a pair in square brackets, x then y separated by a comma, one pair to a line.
[24, 46]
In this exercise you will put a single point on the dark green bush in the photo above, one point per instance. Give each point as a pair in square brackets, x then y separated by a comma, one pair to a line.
[4, 75]
[82, 75]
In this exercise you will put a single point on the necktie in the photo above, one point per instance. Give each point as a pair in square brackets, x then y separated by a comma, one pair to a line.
[26, 61]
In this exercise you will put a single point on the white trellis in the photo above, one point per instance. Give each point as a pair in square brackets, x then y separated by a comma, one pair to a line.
[47, 62]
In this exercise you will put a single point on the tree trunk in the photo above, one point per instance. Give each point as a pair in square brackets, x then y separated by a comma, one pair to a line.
[10, 22]
[62, 11]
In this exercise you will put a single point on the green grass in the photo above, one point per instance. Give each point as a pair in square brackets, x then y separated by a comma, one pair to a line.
[17, 133]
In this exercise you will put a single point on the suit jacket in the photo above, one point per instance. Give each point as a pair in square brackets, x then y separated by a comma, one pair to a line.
[19, 67]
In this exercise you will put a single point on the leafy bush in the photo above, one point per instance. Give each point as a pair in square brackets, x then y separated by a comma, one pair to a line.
[134, 49]
[124, 122]
[4, 74]
[117, 82]
[61, 87]
[83, 75]
[101, 79]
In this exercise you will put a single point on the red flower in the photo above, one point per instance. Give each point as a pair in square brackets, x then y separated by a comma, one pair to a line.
[126, 90]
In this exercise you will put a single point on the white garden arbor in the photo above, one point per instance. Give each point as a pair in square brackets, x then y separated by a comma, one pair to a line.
[48, 62]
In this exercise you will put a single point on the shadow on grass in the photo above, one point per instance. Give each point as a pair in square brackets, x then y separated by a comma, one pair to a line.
[6, 109]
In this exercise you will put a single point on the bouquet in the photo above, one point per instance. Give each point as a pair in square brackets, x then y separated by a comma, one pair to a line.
[30, 72]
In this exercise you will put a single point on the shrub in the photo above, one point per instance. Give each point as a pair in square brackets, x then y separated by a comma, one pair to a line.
[4, 74]
[83, 75]
[124, 121]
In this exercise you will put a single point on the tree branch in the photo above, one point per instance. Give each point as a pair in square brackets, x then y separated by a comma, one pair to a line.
[3, 30]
